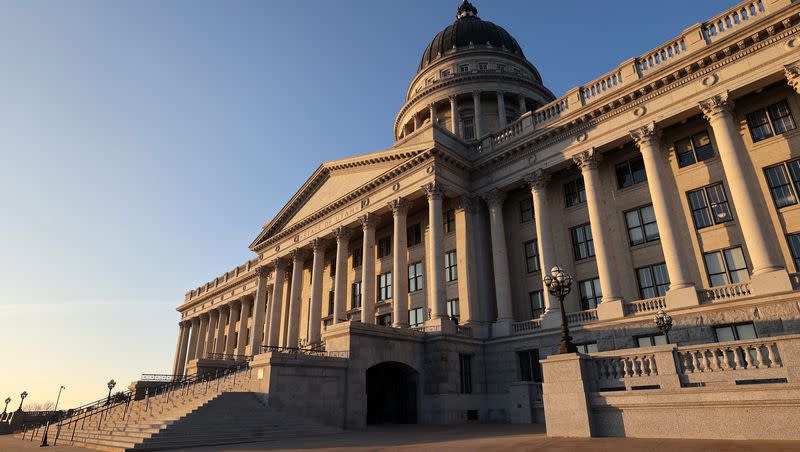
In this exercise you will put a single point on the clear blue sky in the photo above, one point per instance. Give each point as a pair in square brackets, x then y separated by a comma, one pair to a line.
[144, 143]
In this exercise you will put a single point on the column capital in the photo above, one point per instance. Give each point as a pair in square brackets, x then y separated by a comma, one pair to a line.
[195, 320]
[468, 204]
[433, 190]
[494, 197]
[792, 72]
[279, 263]
[647, 135]
[587, 160]
[399, 206]
[342, 234]
[453, 98]
[368, 221]
[262, 271]
[537, 180]
[717, 106]
[476, 93]
[213, 313]
[297, 254]
[317, 244]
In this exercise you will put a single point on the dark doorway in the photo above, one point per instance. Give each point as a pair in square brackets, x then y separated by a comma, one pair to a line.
[392, 394]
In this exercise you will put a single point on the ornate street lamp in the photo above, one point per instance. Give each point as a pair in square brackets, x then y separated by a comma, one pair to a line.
[111, 385]
[8, 400]
[664, 322]
[22, 399]
[47, 426]
[559, 283]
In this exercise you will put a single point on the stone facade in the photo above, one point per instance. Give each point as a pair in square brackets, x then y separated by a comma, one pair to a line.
[677, 140]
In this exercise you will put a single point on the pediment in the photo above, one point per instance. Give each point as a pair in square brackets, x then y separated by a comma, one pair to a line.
[331, 182]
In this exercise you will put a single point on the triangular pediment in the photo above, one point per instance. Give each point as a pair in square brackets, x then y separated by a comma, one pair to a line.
[331, 182]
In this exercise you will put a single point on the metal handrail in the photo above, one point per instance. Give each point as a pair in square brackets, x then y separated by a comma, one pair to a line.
[314, 351]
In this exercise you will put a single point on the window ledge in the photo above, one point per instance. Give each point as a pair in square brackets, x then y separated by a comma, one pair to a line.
[716, 227]
[703, 164]
[767, 141]
[632, 189]
[789, 208]
[646, 245]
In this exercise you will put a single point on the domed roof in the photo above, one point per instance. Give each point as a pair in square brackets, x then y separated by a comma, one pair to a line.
[469, 29]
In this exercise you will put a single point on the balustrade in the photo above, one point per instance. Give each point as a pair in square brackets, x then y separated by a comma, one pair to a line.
[729, 292]
[732, 19]
[577, 318]
[645, 306]
[527, 325]
[756, 354]
[627, 366]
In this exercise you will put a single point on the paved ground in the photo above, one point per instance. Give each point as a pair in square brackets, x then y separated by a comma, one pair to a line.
[451, 438]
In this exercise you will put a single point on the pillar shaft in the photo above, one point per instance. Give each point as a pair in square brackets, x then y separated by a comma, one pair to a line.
[432, 108]
[502, 283]
[478, 122]
[454, 117]
[210, 330]
[522, 107]
[399, 208]
[201, 337]
[467, 297]
[342, 235]
[233, 316]
[295, 298]
[277, 302]
[544, 237]
[219, 346]
[501, 109]
[241, 341]
[368, 270]
[435, 252]
[192, 352]
[180, 352]
[315, 310]
[259, 312]
[588, 163]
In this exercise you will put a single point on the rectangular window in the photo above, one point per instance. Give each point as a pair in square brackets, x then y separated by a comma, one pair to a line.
[415, 317]
[709, 206]
[526, 210]
[469, 128]
[776, 119]
[463, 68]
[694, 149]
[591, 293]
[450, 221]
[385, 286]
[501, 68]
[465, 367]
[358, 257]
[384, 247]
[575, 192]
[415, 277]
[330, 302]
[333, 268]
[414, 235]
[794, 247]
[582, 242]
[642, 225]
[726, 267]
[653, 281]
[483, 66]
[784, 182]
[450, 266]
[531, 256]
[588, 347]
[650, 340]
[536, 299]
[735, 332]
[444, 73]
[630, 172]
[453, 310]
[385, 320]
[529, 367]
[355, 295]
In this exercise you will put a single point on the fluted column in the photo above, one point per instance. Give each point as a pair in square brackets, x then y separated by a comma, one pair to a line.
[315, 310]
[192, 352]
[201, 336]
[501, 108]
[478, 122]
[213, 318]
[588, 163]
[416, 121]
[502, 283]
[259, 311]
[792, 72]
[244, 314]
[295, 297]
[435, 252]
[233, 315]
[537, 182]
[432, 108]
[342, 235]
[522, 107]
[180, 350]
[219, 346]
[454, 117]
[368, 269]
[467, 297]
[737, 167]
[277, 302]
[647, 139]
[399, 207]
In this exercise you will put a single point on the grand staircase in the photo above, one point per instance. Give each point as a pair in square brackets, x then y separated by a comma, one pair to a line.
[210, 411]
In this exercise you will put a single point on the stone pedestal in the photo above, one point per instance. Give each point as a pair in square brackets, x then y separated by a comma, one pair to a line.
[682, 298]
[551, 319]
[771, 282]
[566, 407]
[611, 309]
[501, 328]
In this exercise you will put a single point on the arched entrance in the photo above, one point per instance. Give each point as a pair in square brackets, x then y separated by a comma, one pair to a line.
[392, 394]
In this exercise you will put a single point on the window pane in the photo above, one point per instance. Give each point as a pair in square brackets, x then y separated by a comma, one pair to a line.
[779, 186]
[724, 334]
[660, 339]
[685, 153]
[648, 215]
[746, 331]
[624, 178]
[718, 280]
[759, 125]
[644, 341]
[686, 159]
[794, 247]
[591, 348]
[739, 276]
[637, 236]
[781, 117]
[637, 170]
[734, 258]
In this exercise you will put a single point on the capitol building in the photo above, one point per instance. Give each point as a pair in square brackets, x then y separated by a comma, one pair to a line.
[406, 285]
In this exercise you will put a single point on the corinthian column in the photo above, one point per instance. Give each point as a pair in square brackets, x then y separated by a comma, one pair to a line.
[342, 235]
[180, 350]
[769, 274]
[219, 346]
[213, 318]
[277, 302]
[435, 252]
[502, 283]
[368, 269]
[201, 336]
[241, 341]
[295, 298]
[399, 208]
[259, 311]
[587, 161]
[192, 352]
[792, 72]
[537, 182]
[647, 139]
[233, 316]
[465, 235]
[454, 115]
[315, 311]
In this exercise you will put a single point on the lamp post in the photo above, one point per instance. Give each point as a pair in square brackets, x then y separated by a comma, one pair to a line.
[559, 283]
[664, 322]
[22, 399]
[47, 425]
[110, 385]
[8, 400]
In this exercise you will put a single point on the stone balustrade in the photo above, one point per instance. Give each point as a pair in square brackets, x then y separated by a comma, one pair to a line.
[618, 368]
[229, 276]
[577, 318]
[726, 293]
[645, 306]
[737, 17]
[527, 325]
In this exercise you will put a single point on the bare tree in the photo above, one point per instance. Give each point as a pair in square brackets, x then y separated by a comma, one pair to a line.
[40, 406]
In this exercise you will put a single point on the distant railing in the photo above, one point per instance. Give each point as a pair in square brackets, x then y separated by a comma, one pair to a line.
[527, 325]
[161, 377]
[427, 329]
[229, 357]
[733, 19]
[725, 293]
[586, 316]
[645, 306]
[297, 352]
[464, 330]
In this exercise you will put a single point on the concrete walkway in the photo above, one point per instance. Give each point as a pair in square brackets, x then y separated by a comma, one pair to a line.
[459, 437]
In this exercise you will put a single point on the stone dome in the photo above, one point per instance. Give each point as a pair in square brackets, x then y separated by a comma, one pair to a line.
[469, 31]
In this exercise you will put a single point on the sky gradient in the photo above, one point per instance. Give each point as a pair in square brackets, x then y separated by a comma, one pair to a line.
[144, 144]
